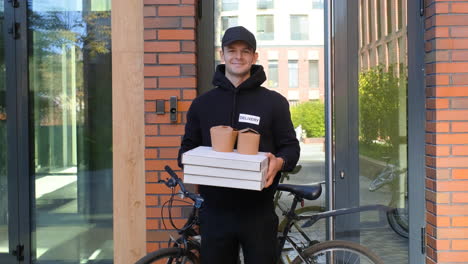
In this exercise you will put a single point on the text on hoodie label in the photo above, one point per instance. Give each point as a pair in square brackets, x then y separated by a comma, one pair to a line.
[251, 119]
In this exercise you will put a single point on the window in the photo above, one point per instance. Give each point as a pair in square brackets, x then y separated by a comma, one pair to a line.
[400, 14]
[370, 22]
[313, 74]
[265, 27]
[227, 22]
[230, 5]
[389, 16]
[265, 4]
[379, 20]
[272, 74]
[293, 73]
[299, 27]
[317, 4]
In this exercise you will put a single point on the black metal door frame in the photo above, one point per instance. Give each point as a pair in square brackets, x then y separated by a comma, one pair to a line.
[17, 133]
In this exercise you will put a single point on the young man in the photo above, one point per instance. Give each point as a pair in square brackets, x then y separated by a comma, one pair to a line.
[230, 217]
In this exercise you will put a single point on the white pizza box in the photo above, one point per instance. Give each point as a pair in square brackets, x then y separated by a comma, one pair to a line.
[205, 166]
[224, 182]
[225, 173]
[206, 156]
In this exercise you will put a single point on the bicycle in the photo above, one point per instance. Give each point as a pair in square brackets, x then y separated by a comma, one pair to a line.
[185, 249]
[397, 217]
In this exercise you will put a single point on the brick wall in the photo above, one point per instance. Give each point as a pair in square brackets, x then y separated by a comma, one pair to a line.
[446, 48]
[170, 70]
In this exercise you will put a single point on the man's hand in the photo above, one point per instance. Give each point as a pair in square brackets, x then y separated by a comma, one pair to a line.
[274, 165]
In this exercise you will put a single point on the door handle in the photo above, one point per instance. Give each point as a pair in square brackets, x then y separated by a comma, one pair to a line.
[342, 174]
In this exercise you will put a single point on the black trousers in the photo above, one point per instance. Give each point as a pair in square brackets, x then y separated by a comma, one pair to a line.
[224, 231]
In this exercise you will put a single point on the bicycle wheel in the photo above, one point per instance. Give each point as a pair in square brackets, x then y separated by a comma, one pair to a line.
[169, 256]
[338, 252]
[398, 221]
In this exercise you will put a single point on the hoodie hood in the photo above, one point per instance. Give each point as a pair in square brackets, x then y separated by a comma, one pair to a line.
[257, 77]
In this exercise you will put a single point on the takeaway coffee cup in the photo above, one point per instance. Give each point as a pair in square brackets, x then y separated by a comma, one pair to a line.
[248, 141]
[223, 138]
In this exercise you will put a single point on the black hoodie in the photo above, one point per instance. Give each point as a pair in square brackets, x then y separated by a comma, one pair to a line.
[248, 105]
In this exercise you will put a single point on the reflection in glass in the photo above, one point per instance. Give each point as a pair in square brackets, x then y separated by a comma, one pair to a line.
[3, 142]
[230, 5]
[299, 27]
[313, 74]
[276, 50]
[265, 27]
[383, 136]
[265, 4]
[70, 87]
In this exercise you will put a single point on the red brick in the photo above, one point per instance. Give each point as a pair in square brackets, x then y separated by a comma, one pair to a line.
[171, 129]
[459, 32]
[188, 82]
[460, 55]
[452, 115]
[452, 162]
[160, 164]
[459, 126]
[452, 232]
[438, 126]
[184, 105]
[152, 200]
[151, 247]
[150, 106]
[161, 71]
[177, 59]
[176, 34]
[460, 79]
[150, 83]
[188, 46]
[460, 151]
[435, 150]
[460, 174]
[162, 141]
[161, 2]
[452, 210]
[188, 70]
[152, 224]
[157, 119]
[151, 153]
[452, 139]
[460, 221]
[459, 8]
[156, 211]
[438, 56]
[149, 11]
[459, 103]
[188, 22]
[149, 59]
[190, 2]
[151, 130]
[177, 11]
[460, 245]
[454, 67]
[162, 46]
[438, 79]
[160, 94]
[439, 103]
[161, 22]
[189, 94]
[452, 256]
[151, 176]
[461, 198]
[450, 20]
[149, 34]
[168, 153]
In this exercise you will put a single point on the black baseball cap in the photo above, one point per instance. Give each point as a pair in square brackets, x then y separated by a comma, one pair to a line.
[233, 34]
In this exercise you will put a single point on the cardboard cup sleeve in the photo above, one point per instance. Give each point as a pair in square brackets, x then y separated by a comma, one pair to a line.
[248, 141]
[223, 138]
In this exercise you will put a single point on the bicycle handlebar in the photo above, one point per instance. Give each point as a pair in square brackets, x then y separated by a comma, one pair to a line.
[175, 180]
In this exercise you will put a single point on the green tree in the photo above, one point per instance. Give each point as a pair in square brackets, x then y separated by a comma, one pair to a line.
[311, 116]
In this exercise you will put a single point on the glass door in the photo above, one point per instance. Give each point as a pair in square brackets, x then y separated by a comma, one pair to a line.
[371, 124]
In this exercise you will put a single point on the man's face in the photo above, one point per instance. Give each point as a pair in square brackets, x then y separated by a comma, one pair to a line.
[238, 57]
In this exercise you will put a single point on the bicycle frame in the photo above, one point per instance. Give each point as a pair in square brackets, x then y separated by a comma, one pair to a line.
[292, 218]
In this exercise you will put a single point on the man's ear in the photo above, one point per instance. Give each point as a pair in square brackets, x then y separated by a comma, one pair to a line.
[221, 54]
[255, 58]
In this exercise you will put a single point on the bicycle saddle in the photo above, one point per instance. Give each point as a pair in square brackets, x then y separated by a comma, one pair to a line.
[308, 192]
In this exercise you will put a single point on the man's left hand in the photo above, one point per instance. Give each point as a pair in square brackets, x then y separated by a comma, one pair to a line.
[274, 165]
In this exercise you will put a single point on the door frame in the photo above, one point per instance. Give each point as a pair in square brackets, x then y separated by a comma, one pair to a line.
[19, 192]
[345, 102]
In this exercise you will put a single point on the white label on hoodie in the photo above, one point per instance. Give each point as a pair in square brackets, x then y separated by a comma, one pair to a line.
[245, 118]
